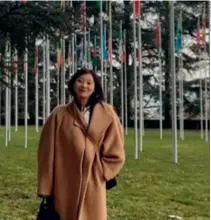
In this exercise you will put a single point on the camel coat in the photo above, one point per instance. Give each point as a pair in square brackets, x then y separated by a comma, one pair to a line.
[75, 160]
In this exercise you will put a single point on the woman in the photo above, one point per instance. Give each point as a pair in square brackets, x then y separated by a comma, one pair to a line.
[81, 147]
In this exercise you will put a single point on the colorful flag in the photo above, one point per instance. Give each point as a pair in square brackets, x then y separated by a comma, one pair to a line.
[136, 8]
[124, 49]
[120, 46]
[15, 61]
[59, 53]
[83, 16]
[109, 50]
[62, 4]
[98, 3]
[104, 47]
[179, 35]
[204, 27]
[36, 61]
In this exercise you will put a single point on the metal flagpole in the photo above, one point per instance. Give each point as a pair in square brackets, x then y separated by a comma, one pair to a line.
[201, 95]
[160, 81]
[181, 108]
[6, 94]
[125, 88]
[48, 77]
[111, 52]
[26, 93]
[101, 41]
[44, 73]
[140, 86]
[16, 90]
[36, 90]
[172, 65]
[73, 53]
[206, 99]
[9, 94]
[63, 72]
[85, 40]
[135, 88]
[205, 79]
[121, 76]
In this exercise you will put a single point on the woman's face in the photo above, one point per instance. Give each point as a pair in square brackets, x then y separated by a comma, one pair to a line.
[84, 86]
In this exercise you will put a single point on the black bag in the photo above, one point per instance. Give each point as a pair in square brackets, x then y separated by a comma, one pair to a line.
[47, 210]
[111, 183]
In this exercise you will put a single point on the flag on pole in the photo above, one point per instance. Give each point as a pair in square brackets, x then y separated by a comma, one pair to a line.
[124, 49]
[83, 16]
[179, 35]
[104, 47]
[157, 37]
[62, 4]
[198, 34]
[203, 27]
[136, 8]
[15, 61]
[36, 61]
[98, 3]
[59, 53]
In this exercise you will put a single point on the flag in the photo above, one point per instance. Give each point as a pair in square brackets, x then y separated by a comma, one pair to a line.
[203, 27]
[59, 53]
[104, 47]
[170, 2]
[99, 3]
[83, 16]
[62, 4]
[15, 61]
[157, 36]
[136, 8]
[109, 50]
[124, 49]
[179, 35]
[36, 61]
[198, 34]
[120, 45]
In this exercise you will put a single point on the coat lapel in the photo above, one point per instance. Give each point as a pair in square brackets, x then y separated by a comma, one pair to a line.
[100, 121]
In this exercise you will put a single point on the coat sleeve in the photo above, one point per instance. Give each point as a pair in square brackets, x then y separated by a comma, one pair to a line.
[45, 157]
[113, 154]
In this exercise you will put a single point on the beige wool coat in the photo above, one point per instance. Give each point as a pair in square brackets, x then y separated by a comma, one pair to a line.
[75, 160]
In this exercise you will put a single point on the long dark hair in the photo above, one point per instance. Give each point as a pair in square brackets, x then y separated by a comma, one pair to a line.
[97, 96]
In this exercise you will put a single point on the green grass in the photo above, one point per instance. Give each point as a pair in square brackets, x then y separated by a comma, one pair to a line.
[150, 188]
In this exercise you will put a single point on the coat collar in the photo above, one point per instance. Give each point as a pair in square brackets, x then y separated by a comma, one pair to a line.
[99, 122]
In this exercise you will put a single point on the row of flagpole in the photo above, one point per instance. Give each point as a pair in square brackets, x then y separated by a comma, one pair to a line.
[138, 97]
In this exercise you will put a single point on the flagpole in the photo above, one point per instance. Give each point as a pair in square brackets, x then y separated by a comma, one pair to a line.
[36, 89]
[48, 76]
[125, 88]
[121, 75]
[6, 95]
[63, 72]
[205, 79]
[101, 41]
[26, 93]
[172, 65]
[111, 51]
[85, 40]
[9, 96]
[135, 88]
[16, 91]
[140, 86]
[44, 73]
[200, 88]
[160, 80]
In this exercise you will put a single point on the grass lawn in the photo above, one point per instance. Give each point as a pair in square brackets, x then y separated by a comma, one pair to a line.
[150, 188]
